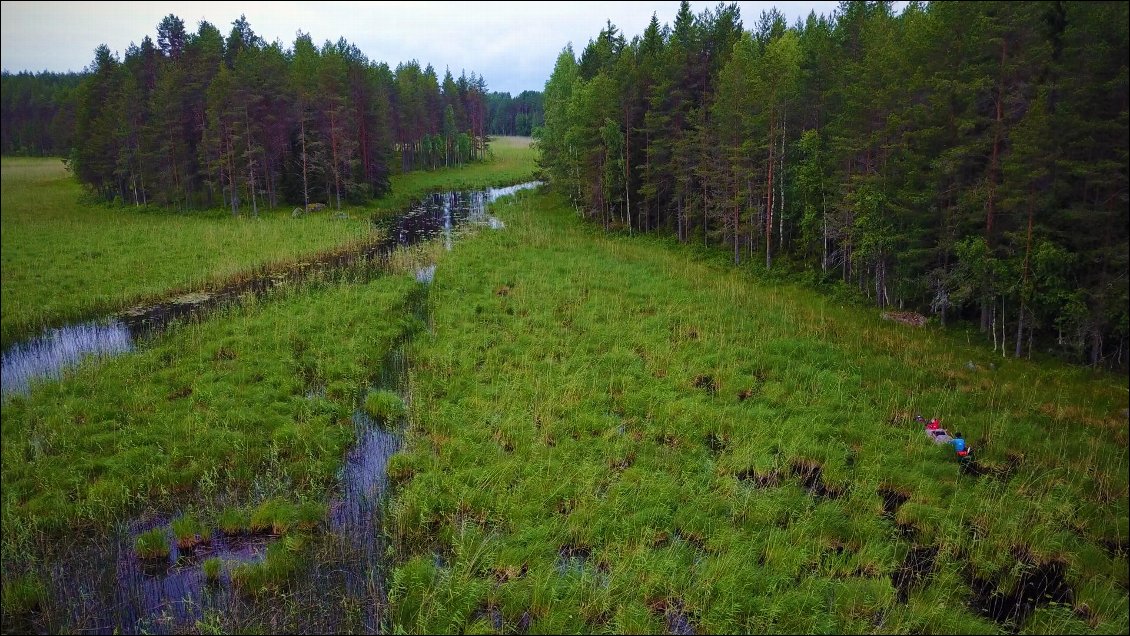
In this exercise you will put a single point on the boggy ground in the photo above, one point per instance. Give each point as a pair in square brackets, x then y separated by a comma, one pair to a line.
[241, 421]
[68, 258]
[614, 433]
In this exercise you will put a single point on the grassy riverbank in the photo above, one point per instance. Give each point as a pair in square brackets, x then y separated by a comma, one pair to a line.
[65, 258]
[612, 434]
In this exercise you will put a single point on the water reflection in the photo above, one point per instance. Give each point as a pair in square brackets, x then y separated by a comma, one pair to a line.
[48, 355]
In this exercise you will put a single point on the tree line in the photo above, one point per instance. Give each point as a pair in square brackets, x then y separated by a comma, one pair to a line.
[967, 160]
[515, 115]
[37, 114]
[197, 119]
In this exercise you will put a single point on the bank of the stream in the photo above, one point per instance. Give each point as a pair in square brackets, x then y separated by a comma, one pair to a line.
[438, 215]
[67, 259]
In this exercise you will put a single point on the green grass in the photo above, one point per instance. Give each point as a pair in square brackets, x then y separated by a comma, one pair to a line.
[276, 571]
[384, 406]
[510, 160]
[212, 568]
[258, 399]
[189, 532]
[66, 258]
[23, 594]
[612, 397]
[152, 544]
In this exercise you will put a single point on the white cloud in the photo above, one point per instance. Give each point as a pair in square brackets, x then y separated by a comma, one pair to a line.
[512, 44]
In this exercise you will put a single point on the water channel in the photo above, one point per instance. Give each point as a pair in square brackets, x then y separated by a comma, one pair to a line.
[101, 585]
[56, 350]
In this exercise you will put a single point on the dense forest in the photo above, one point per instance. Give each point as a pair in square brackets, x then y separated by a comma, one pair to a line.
[197, 119]
[963, 159]
[515, 115]
[37, 114]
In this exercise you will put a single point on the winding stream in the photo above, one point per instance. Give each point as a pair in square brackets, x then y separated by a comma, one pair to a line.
[50, 354]
[100, 585]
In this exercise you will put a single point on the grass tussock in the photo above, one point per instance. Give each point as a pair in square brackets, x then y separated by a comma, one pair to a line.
[384, 406]
[152, 544]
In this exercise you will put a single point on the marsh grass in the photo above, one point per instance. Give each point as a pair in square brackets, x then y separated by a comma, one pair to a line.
[212, 567]
[732, 454]
[23, 594]
[153, 544]
[384, 406]
[66, 258]
[189, 532]
[253, 405]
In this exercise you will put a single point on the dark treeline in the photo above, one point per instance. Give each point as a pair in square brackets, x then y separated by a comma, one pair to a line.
[515, 115]
[37, 113]
[963, 159]
[197, 119]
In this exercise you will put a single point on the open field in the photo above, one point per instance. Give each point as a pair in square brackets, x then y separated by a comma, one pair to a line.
[611, 434]
[65, 258]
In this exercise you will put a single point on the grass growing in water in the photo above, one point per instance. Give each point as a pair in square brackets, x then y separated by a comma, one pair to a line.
[384, 406]
[212, 568]
[152, 544]
[614, 434]
[189, 532]
[254, 404]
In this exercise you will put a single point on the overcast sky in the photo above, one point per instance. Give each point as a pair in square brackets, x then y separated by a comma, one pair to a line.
[513, 44]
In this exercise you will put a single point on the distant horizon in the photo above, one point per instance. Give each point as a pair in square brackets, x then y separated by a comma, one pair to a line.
[520, 57]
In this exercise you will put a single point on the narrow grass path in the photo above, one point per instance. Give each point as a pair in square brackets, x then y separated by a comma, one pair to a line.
[612, 435]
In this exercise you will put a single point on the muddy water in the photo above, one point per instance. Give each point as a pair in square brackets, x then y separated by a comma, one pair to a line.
[436, 215]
